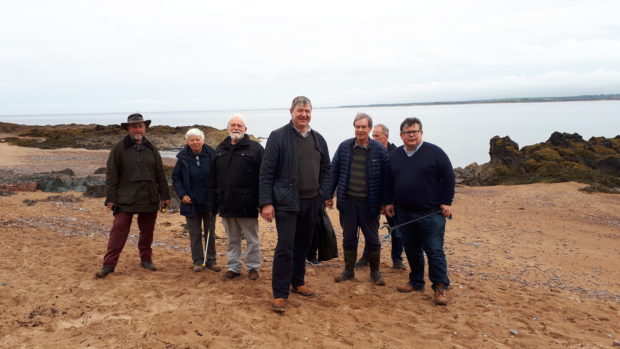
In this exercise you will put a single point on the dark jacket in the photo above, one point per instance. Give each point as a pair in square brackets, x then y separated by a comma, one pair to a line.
[391, 147]
[278, 172]
[135, 177]
[234, 178]
[376, 174]
[193, 183]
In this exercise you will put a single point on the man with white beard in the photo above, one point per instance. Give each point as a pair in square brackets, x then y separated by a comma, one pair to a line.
[234, 185]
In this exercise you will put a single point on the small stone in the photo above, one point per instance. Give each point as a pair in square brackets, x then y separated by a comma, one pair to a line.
[5, 284]
[514, 332]
[616, 344]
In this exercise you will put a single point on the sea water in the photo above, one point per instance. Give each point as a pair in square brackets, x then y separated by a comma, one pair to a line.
[462, 130]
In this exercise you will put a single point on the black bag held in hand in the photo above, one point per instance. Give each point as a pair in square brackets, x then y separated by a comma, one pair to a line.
[328, 247]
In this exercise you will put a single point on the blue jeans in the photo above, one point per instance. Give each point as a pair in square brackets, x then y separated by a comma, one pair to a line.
[425, 235]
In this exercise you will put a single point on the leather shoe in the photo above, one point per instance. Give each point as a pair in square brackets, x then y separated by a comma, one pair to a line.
[253, 274]
[303, 290]
[103, 272]
[440, 295]
[279, 305]
[406, 288]
[231, 275]
[148, 265]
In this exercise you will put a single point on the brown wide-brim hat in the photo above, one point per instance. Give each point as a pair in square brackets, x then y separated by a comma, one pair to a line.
[135, 119]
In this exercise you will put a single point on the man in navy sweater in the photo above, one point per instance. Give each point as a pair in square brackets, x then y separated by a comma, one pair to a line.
[423, 188]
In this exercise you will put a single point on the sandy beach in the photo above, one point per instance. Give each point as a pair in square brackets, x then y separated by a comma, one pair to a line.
[532, 266]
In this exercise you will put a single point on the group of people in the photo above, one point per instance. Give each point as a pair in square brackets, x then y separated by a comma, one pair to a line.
[290, 180]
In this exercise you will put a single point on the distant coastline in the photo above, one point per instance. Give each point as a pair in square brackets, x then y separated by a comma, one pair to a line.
[583, 98]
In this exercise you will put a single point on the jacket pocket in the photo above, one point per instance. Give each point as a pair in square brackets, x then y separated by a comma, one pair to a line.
[283, 193]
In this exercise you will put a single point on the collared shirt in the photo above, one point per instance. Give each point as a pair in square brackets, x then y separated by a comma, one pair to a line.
[360, 146]
[410, 153]
[304, 135]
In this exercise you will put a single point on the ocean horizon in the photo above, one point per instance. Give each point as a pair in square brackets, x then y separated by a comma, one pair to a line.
[463, 131]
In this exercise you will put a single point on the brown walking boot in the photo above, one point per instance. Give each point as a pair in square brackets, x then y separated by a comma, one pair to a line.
[303, 290]
[440, 297]
[279, 305]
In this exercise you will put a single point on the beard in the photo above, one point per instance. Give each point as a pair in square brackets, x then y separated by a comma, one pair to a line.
[236, 136]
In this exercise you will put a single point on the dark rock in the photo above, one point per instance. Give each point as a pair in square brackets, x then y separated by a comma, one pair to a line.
[565, 140]
[95, 191]
[101, 170]
[563, 157]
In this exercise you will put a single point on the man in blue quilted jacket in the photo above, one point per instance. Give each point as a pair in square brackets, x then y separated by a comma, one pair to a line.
[359, 172]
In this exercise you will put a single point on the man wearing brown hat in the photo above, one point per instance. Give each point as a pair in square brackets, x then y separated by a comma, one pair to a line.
[135, 184]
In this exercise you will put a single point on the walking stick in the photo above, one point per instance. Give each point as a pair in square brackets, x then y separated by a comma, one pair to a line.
[389, 229]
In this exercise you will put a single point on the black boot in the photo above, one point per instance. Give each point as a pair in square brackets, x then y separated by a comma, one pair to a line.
[349, 266]
[374, 258]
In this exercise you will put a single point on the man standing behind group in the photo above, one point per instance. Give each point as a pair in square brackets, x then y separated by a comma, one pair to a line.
[359, 170]
[293, 182]
[135, 184]
[234, 182]
[423, 188]
[381, 134]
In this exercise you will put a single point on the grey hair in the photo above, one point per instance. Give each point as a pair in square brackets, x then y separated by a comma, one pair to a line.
[192, 132]
[383, 128]
[361, 116]
[303, 100]
[238, 116]
[409, 122]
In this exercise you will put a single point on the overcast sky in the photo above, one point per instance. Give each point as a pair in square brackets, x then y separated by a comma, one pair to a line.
[114, 56]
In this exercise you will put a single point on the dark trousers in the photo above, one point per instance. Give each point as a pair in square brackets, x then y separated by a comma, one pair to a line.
[424, 235]
[397, 242]
[294, 237]
[120, 232]
[354, 215]
[202, 222]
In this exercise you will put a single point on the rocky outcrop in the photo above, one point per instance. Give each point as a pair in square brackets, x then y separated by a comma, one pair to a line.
[563, 157]
[100, 137]
[55, 182]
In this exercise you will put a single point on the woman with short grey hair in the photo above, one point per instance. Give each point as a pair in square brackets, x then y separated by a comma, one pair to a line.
[189, 178]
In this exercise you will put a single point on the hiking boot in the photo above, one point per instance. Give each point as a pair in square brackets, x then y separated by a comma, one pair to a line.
[103, 272]
[148, 265]
[440, 295]
[231, 275]
[406, 288]
[279, 305]
[362, 262]
[303, 290]
[212, 266]
[399, 265]
[253, 274]
[198, 268]
[349, 266]
[374, 259]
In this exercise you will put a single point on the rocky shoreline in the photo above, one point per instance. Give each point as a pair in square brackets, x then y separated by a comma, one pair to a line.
[563, 157]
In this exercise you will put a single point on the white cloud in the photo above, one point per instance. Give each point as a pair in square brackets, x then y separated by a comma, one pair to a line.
[78, 56]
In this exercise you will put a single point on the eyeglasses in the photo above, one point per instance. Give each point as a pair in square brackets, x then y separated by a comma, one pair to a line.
[411, 133]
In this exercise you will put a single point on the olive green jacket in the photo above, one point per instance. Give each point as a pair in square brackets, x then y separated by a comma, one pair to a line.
[135, 178]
